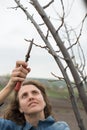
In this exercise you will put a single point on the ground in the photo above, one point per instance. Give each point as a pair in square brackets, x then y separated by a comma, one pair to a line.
[63, 111]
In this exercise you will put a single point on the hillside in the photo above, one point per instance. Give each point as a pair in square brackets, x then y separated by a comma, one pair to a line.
[47, 82]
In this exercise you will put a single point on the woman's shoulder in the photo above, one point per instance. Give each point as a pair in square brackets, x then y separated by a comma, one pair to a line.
[2, 120]
[57, 125]
[61, 125]
[8, 124]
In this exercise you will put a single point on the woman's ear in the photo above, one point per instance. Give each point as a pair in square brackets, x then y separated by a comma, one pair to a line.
[44, 104]
[21, 111]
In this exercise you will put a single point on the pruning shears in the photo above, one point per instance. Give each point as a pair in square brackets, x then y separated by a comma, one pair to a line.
[27, 56]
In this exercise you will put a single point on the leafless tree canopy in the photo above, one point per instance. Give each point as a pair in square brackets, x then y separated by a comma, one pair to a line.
[63, 42]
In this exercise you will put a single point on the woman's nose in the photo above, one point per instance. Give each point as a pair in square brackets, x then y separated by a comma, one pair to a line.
[31, 96]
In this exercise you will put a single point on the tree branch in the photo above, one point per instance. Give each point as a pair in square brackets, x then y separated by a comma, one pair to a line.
[44, 7]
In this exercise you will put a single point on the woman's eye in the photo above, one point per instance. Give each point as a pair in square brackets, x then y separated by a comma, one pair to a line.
[24, 96]
[35, 92]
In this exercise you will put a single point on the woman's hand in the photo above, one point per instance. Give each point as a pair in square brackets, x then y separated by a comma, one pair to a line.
[19, 73]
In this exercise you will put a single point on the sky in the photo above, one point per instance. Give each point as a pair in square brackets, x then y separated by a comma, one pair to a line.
[14, 28]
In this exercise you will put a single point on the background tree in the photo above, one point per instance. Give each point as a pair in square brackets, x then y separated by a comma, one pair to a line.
[65, 39]
[85, 1]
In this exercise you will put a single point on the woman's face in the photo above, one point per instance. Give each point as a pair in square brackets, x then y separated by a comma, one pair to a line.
[31, 100]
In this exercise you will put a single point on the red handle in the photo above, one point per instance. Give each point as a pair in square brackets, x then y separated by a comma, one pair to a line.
[17, 87]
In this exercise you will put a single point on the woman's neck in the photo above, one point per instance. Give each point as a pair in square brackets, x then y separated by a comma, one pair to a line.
[33, 119]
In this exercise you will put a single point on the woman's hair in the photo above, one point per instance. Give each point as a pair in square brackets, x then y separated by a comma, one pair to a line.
[13, 112]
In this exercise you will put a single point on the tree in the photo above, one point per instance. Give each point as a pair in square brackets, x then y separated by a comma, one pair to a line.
[85, 1]
[65, 56]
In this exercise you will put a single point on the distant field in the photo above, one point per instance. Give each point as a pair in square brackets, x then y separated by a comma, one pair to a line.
[59, 93]
[1, 87]
[55, 88]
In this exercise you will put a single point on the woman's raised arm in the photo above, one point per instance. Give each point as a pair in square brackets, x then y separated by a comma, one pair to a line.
[18, 74]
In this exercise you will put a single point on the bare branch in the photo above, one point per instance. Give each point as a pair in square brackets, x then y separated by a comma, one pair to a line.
[62, 18]
[47, 34]
[13, 7]
[41, 24]
[45, 47]
[29, 50]
[59, 78]
[44, 7]
[68, 38]
[81, 29]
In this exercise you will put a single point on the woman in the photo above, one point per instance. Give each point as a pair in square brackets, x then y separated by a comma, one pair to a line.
[30, 110]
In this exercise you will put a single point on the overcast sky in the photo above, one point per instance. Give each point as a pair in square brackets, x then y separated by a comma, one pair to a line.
[14, 27]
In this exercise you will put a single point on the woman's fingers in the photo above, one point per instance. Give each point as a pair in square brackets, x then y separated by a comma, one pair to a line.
[20, 72]
[21, 63]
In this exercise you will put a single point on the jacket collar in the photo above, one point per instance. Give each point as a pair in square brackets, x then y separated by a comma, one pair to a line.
[49, 119]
